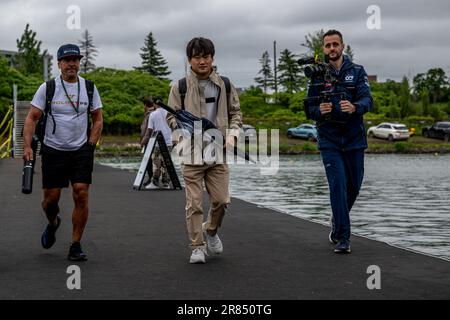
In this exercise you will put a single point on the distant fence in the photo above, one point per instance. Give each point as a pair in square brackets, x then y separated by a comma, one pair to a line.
[20, 114]
[6, 133]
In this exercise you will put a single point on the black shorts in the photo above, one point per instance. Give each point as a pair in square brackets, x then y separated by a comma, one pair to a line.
[61, 167]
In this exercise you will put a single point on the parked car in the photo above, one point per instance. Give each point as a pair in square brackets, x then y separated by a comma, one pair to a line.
[305, 131]
[439, 130]
[249, 131]
[390, 131]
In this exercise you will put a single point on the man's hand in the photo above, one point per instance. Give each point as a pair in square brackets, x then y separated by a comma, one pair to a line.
[347, 106]
[325, 108]
[27, 154]
[230, 142]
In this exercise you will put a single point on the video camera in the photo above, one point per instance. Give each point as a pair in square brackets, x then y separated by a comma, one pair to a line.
[320, 70]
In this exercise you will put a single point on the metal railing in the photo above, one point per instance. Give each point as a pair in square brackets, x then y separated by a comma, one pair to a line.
[6, 135]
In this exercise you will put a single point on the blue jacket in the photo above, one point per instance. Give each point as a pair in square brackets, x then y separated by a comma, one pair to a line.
[339, 130]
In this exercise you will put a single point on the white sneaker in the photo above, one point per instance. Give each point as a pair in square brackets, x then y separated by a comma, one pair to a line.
[213, 243]
[165, 186]
[198, 256]
[151, 186]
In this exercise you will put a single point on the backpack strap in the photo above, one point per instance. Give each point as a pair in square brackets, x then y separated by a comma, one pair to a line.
[227, 85]
[182, 89]
[90, 93]
[50, 86]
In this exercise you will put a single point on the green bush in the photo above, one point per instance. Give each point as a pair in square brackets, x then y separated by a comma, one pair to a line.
[308, 146]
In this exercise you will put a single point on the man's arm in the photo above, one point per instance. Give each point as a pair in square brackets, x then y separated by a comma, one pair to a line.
[28, 130]
[364, 100]
[146, 137]
[234, 117]
[175, 103]
[97, 126]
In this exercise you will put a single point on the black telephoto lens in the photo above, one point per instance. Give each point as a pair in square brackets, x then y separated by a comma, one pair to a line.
[27, 177]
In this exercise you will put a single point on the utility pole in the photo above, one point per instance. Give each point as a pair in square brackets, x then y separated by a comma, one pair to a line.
[275, 68]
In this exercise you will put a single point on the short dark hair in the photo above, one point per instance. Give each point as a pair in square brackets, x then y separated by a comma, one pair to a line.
[200, 46]
[331, 33]
[148, 101]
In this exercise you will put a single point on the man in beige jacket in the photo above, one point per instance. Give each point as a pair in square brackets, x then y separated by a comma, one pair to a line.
[206, 96]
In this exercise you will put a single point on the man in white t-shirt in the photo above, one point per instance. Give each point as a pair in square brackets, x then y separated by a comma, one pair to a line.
[68, 146]
[157, 122]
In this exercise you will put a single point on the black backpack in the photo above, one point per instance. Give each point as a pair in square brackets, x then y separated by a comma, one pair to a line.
[182, 89]
[49, 93]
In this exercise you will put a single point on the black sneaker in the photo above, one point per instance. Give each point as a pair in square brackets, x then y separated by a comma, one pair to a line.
[76, 253]
[343, 246]
[48, 238]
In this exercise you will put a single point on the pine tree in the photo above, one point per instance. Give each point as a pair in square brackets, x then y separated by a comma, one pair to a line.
[266, 80]
[89, 51]
[29, 59]
[289, 72]
[405, 98]
[349, 52]
[313, 43]
[152, 60]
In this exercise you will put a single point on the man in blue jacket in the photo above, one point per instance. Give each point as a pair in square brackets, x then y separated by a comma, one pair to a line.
[341, 132]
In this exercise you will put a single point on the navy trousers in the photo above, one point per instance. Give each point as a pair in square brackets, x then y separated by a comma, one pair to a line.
[345, 171]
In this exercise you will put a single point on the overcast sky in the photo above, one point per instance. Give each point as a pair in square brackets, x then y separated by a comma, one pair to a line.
[413, 36]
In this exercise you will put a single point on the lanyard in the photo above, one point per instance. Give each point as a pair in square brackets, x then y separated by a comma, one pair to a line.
[76, 108]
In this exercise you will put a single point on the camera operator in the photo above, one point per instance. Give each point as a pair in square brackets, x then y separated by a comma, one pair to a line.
[341, 132]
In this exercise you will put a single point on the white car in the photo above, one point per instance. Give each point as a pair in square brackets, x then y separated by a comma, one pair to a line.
[390, 131]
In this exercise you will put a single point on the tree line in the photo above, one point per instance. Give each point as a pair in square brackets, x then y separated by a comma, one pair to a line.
[427, 98]
[30, 56]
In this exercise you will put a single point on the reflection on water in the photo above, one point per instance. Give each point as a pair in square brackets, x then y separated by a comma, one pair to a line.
[404, 200]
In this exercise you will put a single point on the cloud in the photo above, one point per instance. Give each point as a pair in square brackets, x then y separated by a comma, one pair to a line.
[411, 37]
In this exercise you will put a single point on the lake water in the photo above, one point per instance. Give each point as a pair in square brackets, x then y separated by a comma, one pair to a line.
[404, 201]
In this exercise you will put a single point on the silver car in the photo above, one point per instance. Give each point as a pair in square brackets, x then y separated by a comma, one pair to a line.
[389, 131]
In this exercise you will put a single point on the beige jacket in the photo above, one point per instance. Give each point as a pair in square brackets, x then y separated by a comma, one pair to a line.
[228, 116]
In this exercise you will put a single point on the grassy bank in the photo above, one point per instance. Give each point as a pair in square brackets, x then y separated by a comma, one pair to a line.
[123, 146]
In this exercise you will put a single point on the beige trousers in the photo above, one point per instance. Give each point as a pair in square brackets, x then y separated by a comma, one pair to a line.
[217, 179]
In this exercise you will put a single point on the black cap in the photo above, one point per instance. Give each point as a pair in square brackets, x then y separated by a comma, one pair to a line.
[69, 50]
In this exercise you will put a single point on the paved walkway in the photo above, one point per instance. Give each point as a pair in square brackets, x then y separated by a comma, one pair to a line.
[137, 247]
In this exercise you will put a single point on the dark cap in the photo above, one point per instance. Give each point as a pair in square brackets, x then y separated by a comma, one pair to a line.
[69, 50]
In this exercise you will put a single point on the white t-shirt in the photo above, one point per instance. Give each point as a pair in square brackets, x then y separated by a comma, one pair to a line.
[158, 122]
[71, 128]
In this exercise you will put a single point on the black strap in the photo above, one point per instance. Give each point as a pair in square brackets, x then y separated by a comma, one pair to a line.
[182, 89]
[49, 93]
[90, 93]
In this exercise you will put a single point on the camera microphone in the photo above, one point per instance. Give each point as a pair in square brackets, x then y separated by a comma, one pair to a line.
[309, 60]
